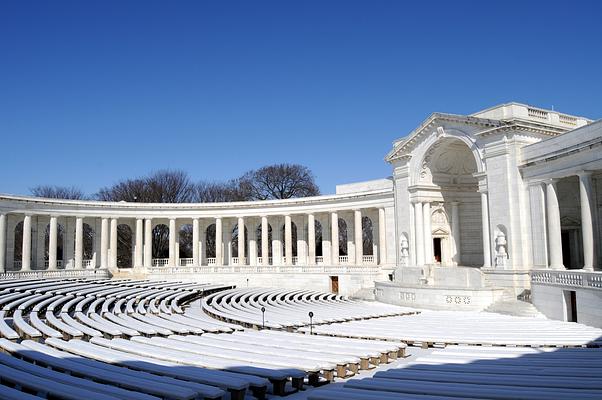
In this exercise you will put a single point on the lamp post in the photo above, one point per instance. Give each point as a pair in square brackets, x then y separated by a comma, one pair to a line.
[247, 282]
[263, 317]
[311, 324]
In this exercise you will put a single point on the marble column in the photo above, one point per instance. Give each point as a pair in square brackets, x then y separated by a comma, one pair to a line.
[485, 229]
[455, 225]
[138, 245]
[79, 242]
[104, 243]
[2, 243]
[554, 230]
[419, 235]
[334, 238]
[52, 240]
[172, 242]
[311, 239]
[218, 242]
[587, 225]
[26, 246]
[113, 244]
[382, 237]
[252, 251]
[428, 233]
[148, 242]
[241, 241]
[265, 244]
[202, 244]
[195, 242]
[358, 237]
[288, 240]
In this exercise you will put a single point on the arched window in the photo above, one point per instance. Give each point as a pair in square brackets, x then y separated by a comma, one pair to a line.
[367, 236]
[185, 241]
[18, 248]
[342, 237]
[88, 242]
[318, 233]
[210, 241]
[124, 246]
[161, 241]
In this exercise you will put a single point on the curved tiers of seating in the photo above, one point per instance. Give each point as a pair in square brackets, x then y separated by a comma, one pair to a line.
[125, 333]
[290, 309]
[142, 340]
[471, 328]
[505, 373]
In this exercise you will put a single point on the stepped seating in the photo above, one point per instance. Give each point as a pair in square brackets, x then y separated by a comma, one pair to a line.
[290, 309]
[142, 340]
[481, 372]
[466, 328]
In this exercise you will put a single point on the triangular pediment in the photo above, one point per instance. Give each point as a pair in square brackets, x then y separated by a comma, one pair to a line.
[440, 232]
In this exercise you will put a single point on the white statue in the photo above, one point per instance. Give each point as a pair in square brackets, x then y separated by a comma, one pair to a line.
[404, 251]
[501, 255]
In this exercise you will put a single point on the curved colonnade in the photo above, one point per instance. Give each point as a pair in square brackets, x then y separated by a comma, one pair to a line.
[51, 234]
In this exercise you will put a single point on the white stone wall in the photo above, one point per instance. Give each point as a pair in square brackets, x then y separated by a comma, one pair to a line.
[550, 300]
[349, 284]
[437, 298]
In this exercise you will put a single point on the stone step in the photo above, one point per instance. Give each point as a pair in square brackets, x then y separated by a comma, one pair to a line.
[514, 307]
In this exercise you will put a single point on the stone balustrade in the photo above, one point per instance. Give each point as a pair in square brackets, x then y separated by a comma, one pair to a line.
[568, 278]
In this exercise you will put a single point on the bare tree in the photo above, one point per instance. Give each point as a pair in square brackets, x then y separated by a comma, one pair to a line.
[58, 192]
[165, 186]
[279, 181]
[213, 192]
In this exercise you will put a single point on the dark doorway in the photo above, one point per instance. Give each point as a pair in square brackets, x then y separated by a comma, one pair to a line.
[437, 249]
[566, 249]
[570, 299]
[334, 284]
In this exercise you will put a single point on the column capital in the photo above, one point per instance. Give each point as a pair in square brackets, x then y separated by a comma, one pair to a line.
[551, 181]
[584, 173]
[455, 203]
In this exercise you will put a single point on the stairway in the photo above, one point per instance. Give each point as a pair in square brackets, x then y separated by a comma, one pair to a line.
[509, 305]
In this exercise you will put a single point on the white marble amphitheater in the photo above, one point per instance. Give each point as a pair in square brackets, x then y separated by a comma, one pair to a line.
[472, 272]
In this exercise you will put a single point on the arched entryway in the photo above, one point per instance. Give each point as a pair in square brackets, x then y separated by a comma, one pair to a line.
[447, 206]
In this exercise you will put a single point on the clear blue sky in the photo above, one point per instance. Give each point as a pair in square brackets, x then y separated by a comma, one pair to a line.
[92, 92]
